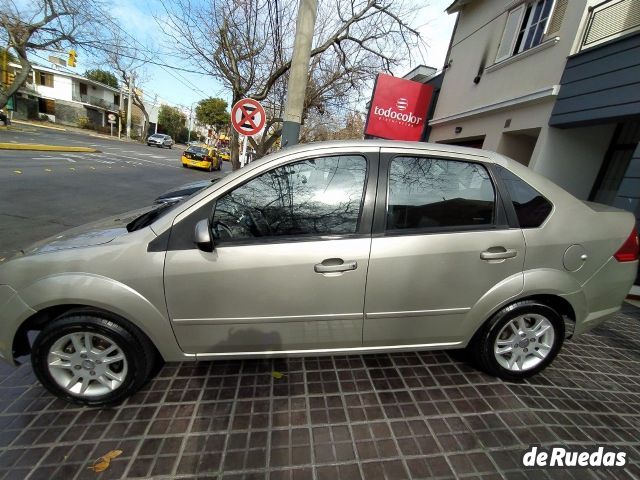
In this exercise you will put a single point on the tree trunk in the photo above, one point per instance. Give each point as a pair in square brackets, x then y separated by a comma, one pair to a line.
[235, 144]
[19, 79]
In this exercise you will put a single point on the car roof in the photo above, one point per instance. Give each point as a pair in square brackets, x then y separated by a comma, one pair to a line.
[485, 155]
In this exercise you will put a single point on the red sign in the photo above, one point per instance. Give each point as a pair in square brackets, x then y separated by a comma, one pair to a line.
[398, 109]
[248, 117]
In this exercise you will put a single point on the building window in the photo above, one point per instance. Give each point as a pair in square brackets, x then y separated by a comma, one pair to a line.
[525, 28]
[116, 99]
[46, 106]
[44, 79]
[83, 89]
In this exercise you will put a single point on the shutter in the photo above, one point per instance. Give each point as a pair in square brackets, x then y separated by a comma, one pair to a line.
[555, 22]
[511, 29]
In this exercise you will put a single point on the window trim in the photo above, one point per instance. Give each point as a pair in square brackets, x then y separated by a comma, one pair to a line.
[500, 218]
[363, 229]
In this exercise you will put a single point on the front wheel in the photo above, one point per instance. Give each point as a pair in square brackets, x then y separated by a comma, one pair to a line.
[89, 358]
[519, 341]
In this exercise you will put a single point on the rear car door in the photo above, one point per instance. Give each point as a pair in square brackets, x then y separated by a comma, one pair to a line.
[289, 267]
[441, 241]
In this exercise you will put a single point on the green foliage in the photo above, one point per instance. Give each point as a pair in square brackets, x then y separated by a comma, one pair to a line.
[212, 111]
[102, 76]
[84, 122]
[171, 120]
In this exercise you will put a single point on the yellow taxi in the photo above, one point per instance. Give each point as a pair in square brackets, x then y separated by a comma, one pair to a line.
[201, 156]
[225, 154]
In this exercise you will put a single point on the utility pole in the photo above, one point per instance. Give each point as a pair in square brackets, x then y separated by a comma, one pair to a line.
[120, 107]
[299, 73]
[132, 78]
[189, 126]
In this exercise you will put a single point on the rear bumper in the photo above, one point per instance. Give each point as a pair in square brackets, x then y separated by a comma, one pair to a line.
[604, 293]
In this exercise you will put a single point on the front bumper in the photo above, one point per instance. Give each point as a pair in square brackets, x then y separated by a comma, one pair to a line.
[13, 311]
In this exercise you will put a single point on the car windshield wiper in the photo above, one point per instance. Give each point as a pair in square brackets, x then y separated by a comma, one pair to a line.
[149, 217]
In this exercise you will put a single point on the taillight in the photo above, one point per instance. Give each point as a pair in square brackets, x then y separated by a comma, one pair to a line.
[630, 249]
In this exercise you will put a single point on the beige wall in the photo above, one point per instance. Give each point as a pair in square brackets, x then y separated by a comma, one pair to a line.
[475, 45]
[492, 125]
[572, 157]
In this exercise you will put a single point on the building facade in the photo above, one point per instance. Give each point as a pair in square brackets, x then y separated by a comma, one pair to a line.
[65, 98]
[554, 84]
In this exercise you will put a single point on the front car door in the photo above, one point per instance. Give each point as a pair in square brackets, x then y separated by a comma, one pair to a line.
[441, 241]
[290, 260]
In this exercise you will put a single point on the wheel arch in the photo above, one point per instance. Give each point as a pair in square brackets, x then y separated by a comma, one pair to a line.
[54, 295]
[22, 344]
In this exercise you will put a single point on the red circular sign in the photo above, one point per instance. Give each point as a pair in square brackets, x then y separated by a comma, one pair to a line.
[248, 117]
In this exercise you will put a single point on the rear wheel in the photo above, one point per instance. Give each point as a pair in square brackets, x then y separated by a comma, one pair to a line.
[519, 341]
[90, 358]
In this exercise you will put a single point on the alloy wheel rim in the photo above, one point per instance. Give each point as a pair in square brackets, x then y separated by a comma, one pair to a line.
[524, 342]
[87, 364]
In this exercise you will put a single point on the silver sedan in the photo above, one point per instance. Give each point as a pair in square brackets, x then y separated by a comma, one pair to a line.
[329, 248]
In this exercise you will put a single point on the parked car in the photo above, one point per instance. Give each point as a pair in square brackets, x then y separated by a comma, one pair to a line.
[159, 140]
[201, 156]
[457, 248]
[183, 191]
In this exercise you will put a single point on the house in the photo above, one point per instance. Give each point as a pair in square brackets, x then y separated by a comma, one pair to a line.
[554, 84]
[65, 98]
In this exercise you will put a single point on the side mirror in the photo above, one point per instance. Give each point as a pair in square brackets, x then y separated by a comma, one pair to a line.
[202, 236]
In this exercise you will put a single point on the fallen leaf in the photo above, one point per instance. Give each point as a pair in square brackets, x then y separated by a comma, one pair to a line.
[101, 464]
[277, 375]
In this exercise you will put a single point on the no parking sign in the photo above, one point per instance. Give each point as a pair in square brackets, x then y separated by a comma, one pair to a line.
[248, 117]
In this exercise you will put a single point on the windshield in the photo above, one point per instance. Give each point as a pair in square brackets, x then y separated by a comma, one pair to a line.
[157, 136]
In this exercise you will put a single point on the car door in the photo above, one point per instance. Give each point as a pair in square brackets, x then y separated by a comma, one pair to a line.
[441, 242]
[290, 260]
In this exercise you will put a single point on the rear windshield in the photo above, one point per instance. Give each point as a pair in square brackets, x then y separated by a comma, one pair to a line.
[197, 150]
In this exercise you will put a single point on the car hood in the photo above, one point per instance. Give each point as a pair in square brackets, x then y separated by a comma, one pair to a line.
[95, 233]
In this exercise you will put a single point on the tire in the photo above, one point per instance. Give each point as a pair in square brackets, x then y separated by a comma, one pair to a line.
[185, 165]
[104, 331]
[541, 325]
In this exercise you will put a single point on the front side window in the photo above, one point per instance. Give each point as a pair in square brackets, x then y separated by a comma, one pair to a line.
[525, 28]
[429, 193]
[321, 196]
[532, 209]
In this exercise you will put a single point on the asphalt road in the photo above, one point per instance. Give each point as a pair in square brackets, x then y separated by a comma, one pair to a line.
[44, 193]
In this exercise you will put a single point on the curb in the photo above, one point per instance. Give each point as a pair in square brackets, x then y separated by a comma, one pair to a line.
[45, 148]
[20, 122]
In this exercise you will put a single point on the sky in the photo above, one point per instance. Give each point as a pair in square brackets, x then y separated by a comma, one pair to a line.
[184, 89]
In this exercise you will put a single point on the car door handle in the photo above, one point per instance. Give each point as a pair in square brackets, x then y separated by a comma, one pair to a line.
[498, 253]
[335, 265]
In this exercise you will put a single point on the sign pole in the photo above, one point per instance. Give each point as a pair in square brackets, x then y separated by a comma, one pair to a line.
[243, 158]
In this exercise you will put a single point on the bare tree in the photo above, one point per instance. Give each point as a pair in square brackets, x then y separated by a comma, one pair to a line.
[28, 27]
[247, 45]
[125, 59]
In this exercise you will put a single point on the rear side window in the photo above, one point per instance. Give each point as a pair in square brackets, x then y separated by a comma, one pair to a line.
[433, 193]
[532, 209]
[197, 150]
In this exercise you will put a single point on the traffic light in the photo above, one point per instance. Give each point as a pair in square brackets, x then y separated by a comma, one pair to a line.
[72, 58]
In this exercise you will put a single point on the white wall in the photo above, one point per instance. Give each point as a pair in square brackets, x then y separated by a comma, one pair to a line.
[572, 157]
[61, 90]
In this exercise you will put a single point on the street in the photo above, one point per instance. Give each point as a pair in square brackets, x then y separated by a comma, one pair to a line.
[43, 193]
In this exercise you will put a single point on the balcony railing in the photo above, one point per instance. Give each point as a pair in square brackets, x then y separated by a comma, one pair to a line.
[609, 20]
[98, 102]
